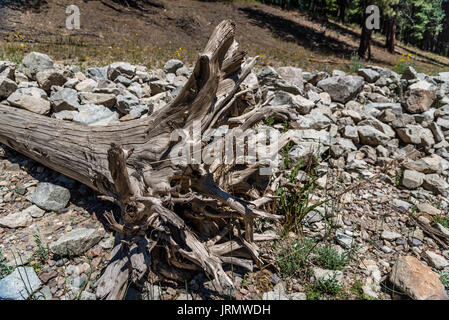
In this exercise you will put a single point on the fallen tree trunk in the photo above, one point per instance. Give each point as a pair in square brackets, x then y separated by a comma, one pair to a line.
[175, 218]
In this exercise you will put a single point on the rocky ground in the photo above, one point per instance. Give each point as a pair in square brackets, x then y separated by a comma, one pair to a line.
[380, 144]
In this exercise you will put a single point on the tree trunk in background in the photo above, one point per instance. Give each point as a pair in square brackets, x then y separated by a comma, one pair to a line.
[342, 10]
[391, 35]
[365, 40]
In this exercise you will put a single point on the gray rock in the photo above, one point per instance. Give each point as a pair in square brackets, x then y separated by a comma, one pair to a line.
[410, 73]
[7, 70]
[390, 235]
[292, 75]
[18, 259]
[121, 69]
[76, 242]
[183, 71]
[123, 80]
[316, 77]
[313, 96]
[369, 75]
[171, 66]
[16, 220]
[88, 296]
[95, 115]
[107, 100]
[416, 134]
[324, 274]
[431, 164]
[278, 293]
[377, 98]
[135, 89]
[371, 136]
[443, 122]
[48, 78]
[78, 282]
[436, 184]
[273, 295]
[437, 261]
[412, 179]
[297, 296]
[417, 280]
[429, 209]
[71, 83]
[35, 62]
[34, 211]
[31, 99]
[50, 197]
[7, 87]
[160, 86]
[342, 88]
[344, 240]
[19, 285]
[419, 97]
[43, 294]
[87, 85]
[64, 99]
[443, 76]
[375, 109]
[437, 132]
[107, 243]
[270, 79]
[352, 133]
[338, 73]
[179, 81]
[64, 115]
[138, 111]
[126, 102]
[107, 86]
[402, 205]
[443, 229]
[303, 105]
[98, 74]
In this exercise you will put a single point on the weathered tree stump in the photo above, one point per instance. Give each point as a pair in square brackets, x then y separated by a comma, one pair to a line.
[175, 218]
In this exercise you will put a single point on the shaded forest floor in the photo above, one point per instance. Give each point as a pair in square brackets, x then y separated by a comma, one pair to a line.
[110, 32]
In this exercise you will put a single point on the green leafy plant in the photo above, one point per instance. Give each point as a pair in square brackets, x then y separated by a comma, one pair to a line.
[269, 121]
[321, 286]
[444, 221]
[285, 151]
[329, 258]
[404, 62]
[398, 177]
[12, 52]
[445, 279]
[355, 62]
[42, 252]
[313, 293]
[4, 269]
[295, 198]
[89, 279]
[294, 256]
[328, 286]
[286, 126]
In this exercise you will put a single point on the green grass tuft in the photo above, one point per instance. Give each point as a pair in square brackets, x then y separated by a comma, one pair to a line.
[294, 256]
[4, 269]
[328, 258]
[322, 286]
[444, 221]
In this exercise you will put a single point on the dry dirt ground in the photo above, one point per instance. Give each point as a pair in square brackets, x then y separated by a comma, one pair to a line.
[179, 29]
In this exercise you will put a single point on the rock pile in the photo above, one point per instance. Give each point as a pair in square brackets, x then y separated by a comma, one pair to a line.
[368, 124]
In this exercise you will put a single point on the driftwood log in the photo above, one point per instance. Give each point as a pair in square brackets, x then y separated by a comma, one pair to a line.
[176, 219]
